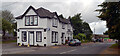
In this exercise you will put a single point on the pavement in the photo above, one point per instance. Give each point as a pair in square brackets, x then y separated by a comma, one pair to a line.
[85, 48]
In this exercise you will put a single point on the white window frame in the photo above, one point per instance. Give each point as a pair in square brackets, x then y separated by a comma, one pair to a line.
[35, 20]
[24, 38]
[38, 37]
[54, 37]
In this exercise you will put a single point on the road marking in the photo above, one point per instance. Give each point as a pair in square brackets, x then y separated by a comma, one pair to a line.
[68, 51]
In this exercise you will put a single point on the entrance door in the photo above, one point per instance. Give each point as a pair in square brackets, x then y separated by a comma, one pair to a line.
[62, 38]
[31, 37]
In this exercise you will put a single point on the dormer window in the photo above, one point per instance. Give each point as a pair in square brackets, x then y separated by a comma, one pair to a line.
[63, 26]
[31, 20]
[54, 22]
[68, 26]
[55, 16]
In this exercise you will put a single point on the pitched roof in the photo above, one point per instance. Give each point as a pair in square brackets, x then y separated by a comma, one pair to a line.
[44, 13]
[64, 20]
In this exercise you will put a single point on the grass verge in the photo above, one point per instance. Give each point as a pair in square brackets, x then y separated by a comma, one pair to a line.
[86, 41]
[10, 41]
[114, 46]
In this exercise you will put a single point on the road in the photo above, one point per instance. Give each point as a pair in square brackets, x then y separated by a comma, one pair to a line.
[89, 48]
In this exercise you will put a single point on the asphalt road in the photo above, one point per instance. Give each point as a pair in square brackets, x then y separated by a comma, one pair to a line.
[90, 48]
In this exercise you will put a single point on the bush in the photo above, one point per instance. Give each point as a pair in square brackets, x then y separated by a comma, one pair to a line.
[80, 36]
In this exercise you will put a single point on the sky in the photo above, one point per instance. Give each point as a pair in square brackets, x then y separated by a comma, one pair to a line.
[66, 7]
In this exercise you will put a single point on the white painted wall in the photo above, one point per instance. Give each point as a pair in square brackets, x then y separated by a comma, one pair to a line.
[42, 23]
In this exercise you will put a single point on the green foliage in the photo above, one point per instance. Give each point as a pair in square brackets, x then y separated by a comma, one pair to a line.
[9, 41]
[80, 36]
[6, 26]
[7, 15]
[110, 12]
[0, 23]
[114, 46]
[83, 36]
[77, 37]
[85, 41]
[80, 27]
[105, 33]
[77, 23]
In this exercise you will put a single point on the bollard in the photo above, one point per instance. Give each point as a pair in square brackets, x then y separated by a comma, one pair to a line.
[28, 45]
[19, 44]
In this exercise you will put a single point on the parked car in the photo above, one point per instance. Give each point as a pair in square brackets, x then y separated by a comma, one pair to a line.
[74, 42]
[100, 40]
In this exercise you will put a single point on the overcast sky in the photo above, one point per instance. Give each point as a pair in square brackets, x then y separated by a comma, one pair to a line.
[65, 7]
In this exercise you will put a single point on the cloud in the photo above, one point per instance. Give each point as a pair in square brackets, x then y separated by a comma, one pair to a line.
[65, 7]
[99, 27]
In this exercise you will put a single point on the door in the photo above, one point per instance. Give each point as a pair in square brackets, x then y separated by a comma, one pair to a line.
[62, 38]
[31, 38]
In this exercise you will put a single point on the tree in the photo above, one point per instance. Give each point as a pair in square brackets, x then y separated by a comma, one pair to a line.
[105, 33]
[87, 31]
[0, 24]
[110, 13]
[7, 15]
[80, 27]
[77, 23]
[7, 25]
[80, 36]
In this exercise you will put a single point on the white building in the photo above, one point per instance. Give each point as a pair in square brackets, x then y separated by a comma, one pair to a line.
[43, 28]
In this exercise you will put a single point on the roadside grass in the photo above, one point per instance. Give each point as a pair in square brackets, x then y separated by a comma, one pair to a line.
[9, 41]
[86, 41]
[114, 46]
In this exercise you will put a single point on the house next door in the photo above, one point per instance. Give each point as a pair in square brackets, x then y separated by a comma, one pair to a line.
[31, 38]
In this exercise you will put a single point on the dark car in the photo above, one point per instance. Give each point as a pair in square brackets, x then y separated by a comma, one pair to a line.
[74, 42]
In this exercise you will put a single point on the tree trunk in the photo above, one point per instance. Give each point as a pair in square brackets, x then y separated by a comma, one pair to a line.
[3, 33]
[119, 43]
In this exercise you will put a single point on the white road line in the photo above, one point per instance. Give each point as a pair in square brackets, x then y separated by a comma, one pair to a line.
[68, 51]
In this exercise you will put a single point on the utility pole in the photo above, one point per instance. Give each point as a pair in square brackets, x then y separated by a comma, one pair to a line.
[94, 30]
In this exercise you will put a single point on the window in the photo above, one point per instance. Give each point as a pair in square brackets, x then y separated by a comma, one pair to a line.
[63, 26]
[35, 20]
[54, 22]
[27, 20]
[68, 26]
[24, 36]
[38, 36]
[54, 37]
[31, 20]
